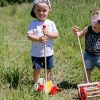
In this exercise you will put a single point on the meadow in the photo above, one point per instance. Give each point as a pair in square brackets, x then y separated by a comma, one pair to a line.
[15, 61]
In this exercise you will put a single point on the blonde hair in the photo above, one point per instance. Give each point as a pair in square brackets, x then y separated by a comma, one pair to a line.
[95, 12]
[95, 16]
[35, 2]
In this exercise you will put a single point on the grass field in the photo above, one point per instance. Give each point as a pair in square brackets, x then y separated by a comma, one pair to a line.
[15, 62]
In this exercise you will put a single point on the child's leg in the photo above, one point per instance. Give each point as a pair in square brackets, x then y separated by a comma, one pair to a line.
[36, 75]
[49, 74]
[36, 66]
[88, 74]
[49, 66]
[89, 64]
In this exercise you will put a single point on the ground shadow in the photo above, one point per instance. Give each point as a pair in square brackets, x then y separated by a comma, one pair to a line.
[66, 85]
[63, 84]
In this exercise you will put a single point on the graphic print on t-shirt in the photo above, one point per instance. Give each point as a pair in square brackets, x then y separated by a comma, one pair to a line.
[93, 43]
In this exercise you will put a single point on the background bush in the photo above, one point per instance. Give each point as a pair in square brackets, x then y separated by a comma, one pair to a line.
[6, 2]
[16, 72]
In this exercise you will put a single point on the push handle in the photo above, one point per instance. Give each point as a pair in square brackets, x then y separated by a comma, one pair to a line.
[82, 58]
[44, 28]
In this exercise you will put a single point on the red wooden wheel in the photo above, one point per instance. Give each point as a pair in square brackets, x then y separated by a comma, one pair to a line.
[83, 94]
[98, 86]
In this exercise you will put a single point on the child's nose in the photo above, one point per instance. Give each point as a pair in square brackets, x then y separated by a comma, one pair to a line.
[41, 12]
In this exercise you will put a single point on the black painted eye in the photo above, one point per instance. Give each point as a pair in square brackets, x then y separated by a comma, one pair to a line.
[44, 10]
[98, 20]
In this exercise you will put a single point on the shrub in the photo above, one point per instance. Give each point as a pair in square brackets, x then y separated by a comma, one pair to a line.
[6, 2]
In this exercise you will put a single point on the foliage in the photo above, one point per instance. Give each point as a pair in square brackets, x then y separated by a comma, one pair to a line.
[12, 77]
[15, 60]
[6, 2]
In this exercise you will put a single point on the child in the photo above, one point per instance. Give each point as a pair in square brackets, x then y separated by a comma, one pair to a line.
[40, 12]
[92, 43]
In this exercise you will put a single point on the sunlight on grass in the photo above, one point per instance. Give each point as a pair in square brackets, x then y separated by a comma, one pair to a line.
[15, 62]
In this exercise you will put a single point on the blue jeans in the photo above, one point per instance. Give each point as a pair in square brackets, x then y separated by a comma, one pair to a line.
[91, 61]
[39, 62]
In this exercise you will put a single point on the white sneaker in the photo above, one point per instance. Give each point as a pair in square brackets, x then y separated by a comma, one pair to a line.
[36, 85]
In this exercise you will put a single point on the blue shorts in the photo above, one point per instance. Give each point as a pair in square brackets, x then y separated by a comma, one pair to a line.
[39, 62]
[91, 61]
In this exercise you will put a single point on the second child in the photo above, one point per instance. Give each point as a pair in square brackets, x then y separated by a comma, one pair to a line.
[92, 43]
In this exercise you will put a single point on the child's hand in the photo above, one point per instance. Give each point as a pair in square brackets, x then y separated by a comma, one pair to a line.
[45, 32]
[43, 39]
[75, 29]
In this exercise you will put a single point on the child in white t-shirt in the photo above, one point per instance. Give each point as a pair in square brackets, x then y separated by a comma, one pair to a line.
[40, 12]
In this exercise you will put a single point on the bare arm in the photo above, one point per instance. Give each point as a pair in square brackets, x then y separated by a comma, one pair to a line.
[81, 33]
[52, 35]
[33, 37]
[42, 39]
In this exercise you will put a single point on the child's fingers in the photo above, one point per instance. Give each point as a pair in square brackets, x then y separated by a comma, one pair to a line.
[75, 29]
[45, 32]
[44, 39]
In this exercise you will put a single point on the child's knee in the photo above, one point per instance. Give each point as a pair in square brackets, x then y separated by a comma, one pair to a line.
[99, 69]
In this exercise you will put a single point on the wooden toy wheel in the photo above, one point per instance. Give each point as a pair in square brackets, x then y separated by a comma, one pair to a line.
[79, 97]
[98, 86]
[83, 95]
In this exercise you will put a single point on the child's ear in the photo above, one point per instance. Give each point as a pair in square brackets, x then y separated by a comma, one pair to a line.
[50, 11]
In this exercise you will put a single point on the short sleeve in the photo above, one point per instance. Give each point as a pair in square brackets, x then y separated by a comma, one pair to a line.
[30, 28]
[54, 29]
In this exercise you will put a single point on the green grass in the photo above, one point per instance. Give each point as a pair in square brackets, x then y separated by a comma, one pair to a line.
[15, 62]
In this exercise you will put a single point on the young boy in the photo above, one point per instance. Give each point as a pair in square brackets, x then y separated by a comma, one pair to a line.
[40, 12]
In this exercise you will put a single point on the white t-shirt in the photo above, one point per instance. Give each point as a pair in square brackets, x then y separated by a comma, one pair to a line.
[37, 48]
